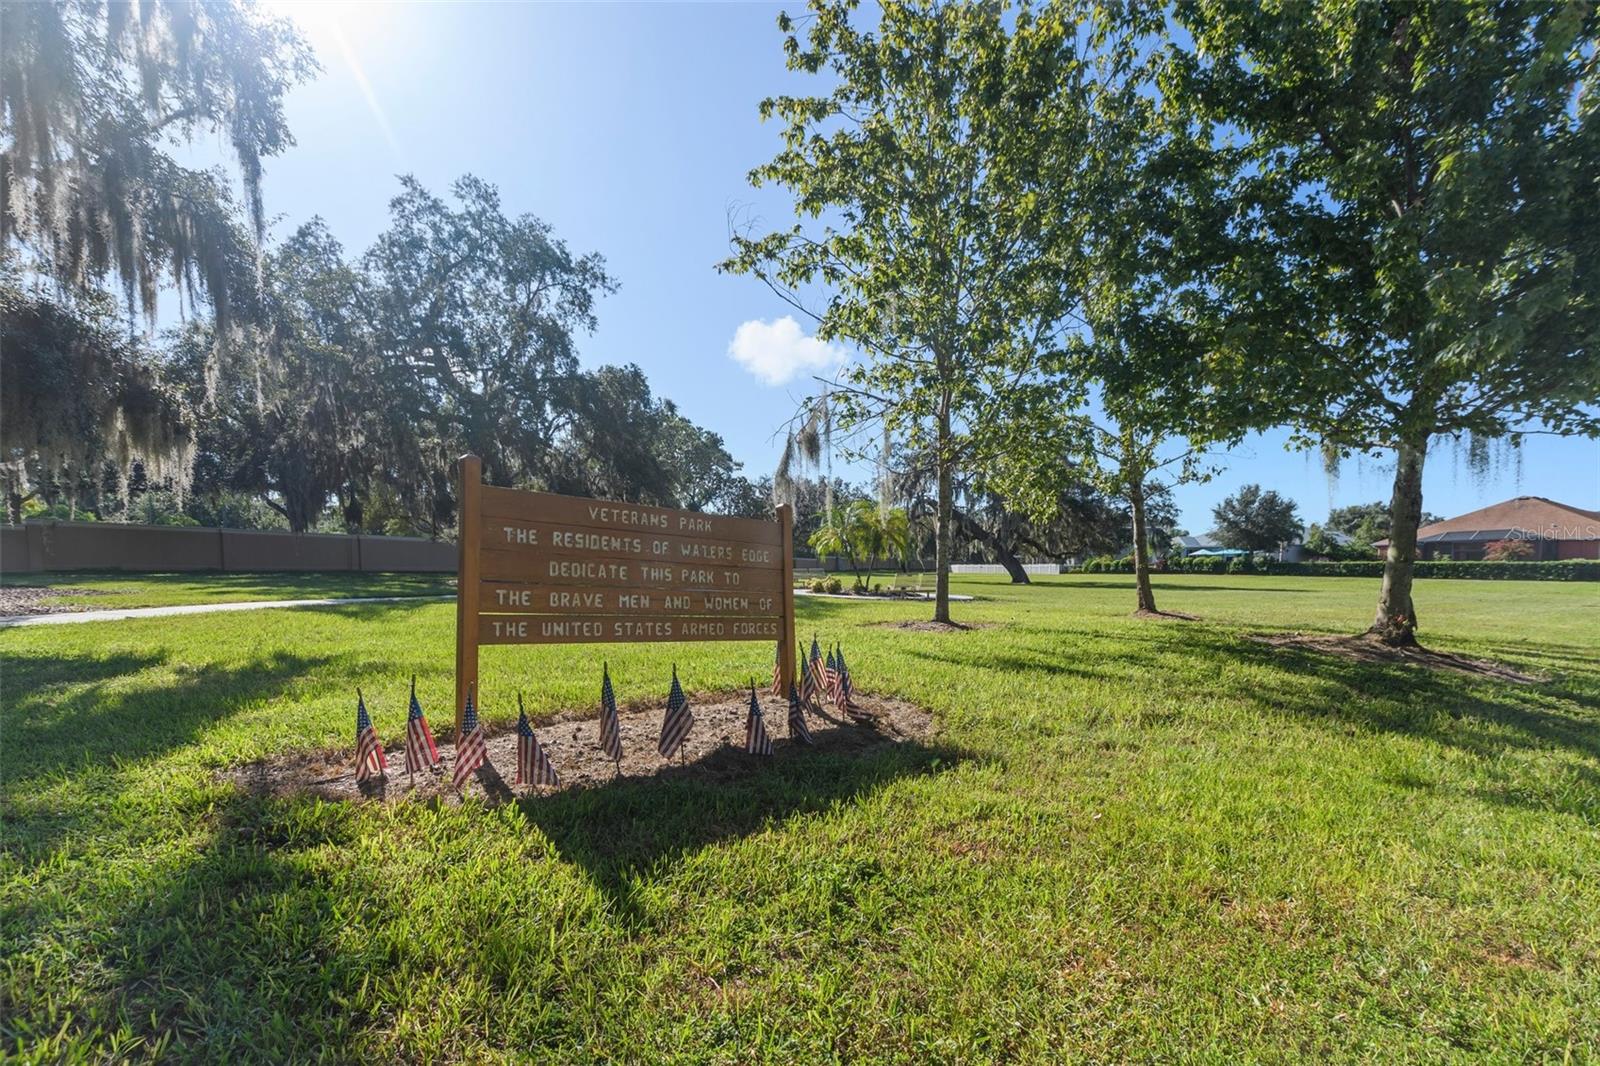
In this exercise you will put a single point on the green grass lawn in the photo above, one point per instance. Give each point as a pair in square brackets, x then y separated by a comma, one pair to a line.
[1150, 840]
[115, 590]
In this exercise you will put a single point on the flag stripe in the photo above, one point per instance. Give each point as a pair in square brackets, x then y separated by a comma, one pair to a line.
[756, 741]
[370, 760]
[610, 724]
[473, 748]
[677, 721]
[797, 719]
[533, 765]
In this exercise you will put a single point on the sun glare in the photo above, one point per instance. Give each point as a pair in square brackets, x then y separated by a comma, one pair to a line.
[335, 28]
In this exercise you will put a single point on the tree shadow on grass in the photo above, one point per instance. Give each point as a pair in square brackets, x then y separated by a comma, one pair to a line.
[47, 732]
[235, 953]
[371, 612]
[632, 825]
[30, 677]
[1484, 718]
[1004, 663]
[1159, 584]
[1410, 700]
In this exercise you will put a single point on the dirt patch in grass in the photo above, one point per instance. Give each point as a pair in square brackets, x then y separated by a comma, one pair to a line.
[1179, 615]
[925, 626]
[715, 748]
[40, 599]
[1367, 649]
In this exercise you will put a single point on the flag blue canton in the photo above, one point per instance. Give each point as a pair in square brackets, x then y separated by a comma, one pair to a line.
[472, 749]
[797, 718]
[610, 725]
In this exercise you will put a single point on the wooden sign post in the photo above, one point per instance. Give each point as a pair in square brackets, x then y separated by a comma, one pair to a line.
[538, 568]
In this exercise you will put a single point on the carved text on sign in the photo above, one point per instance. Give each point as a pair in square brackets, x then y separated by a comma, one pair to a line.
[539, 568]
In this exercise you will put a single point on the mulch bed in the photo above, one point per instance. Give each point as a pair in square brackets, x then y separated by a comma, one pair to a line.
[37, 599]
[925, 626]
[715, 748]
[1370, 650]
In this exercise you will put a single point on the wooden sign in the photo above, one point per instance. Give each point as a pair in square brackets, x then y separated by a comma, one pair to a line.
[538, 568]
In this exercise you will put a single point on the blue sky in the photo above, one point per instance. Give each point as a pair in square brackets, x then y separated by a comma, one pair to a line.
[630, 128]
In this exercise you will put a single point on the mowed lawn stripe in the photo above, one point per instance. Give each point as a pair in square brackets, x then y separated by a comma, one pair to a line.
[1132, 839]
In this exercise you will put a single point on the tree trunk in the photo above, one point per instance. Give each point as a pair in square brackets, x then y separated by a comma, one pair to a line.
[942, 534]
[1141, 547]
[14, 502]
[1396, 621]
[1008, 559]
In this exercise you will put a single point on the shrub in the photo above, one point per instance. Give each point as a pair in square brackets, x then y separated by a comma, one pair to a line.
[818, 584]
[1563, 570]
[1516, 570]
[1505, 551]
[833, 585]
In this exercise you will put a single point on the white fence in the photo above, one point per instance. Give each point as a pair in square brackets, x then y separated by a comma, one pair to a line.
[996, 568]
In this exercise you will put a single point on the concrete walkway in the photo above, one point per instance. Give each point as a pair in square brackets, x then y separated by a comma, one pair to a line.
[115, 615]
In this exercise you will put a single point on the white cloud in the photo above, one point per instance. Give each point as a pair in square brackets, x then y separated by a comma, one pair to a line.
[776, 351]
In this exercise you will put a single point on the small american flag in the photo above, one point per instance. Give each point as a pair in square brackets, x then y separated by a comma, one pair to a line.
[816, 660]
[830, 678]
[533, 765]
[610, 724]
[756, 741]
[421, 753]
[369, 749]
[847, 687]
[472, 749]
[777, 669]
[797, 719]
[809, 695]
[678, 720]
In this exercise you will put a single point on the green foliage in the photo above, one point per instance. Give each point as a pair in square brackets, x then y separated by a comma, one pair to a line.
[1562, 570]
[1407, 250]
[862, 533]
[372, 379]
[1255, 520]
[1318, 542]
[920, 165]
[77, 391]
[95, 95]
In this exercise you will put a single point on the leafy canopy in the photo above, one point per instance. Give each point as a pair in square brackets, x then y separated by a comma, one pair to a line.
[96, 96]
[1256, 520]
[1411, 193]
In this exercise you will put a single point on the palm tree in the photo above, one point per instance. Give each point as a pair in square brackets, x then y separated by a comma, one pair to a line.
[867, 531]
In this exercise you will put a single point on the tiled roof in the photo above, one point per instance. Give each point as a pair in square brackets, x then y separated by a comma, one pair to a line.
[1528, 516]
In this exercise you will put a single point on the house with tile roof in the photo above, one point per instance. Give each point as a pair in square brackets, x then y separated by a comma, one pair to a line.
[1556, 531]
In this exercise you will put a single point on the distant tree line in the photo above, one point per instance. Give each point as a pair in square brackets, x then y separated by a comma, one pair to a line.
[322, 390]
